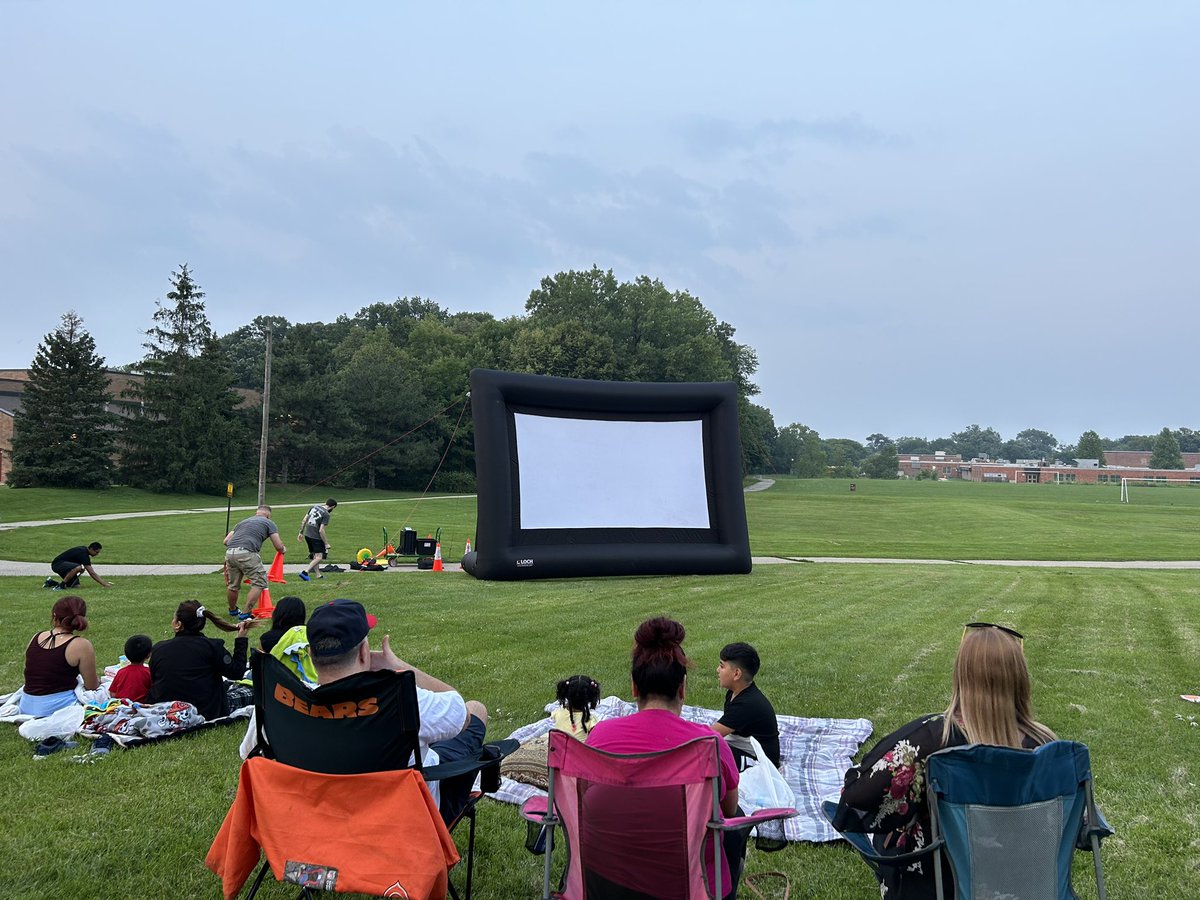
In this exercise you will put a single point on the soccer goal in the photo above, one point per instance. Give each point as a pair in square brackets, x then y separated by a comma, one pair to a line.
[1157, 481]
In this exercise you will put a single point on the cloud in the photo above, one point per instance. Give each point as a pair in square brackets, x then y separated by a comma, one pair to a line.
[709, 139]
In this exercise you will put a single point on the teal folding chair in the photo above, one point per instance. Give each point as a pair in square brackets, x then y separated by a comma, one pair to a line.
[1008, 820]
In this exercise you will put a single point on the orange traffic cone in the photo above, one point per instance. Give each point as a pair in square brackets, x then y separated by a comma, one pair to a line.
[275, 576]
[437, 558]
[265, 608]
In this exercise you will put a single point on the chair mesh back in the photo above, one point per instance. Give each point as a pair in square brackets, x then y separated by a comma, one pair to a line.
[1009, 818]
[1013, 851]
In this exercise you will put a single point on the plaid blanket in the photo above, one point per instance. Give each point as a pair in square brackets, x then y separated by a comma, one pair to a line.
[814, 756]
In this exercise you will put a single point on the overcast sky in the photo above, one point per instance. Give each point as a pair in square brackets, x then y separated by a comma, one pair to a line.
[921, 216]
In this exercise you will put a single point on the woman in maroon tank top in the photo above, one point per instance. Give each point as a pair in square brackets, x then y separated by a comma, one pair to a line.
[55, 658]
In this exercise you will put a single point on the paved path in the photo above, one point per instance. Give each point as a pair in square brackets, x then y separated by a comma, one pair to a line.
[107, 517]
[14, 568]
[41, 569]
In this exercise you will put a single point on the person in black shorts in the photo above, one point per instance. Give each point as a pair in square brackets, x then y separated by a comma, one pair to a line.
[313, 533]
[748, 713]
[70, 564]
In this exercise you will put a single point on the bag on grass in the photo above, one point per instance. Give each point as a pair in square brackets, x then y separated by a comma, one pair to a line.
[61, 724]
[762, 787]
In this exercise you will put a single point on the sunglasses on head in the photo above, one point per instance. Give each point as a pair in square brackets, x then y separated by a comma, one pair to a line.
[1010, 631]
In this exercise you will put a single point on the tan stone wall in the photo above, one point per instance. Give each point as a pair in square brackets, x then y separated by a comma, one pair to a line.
[6, 432]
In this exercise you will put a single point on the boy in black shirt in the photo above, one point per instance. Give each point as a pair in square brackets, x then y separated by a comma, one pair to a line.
[748, 713]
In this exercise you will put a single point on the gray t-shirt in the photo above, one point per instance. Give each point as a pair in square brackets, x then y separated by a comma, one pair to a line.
[250, 533]
[317, 516]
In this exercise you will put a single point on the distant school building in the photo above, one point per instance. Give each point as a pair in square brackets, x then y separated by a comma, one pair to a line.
[1118, 464]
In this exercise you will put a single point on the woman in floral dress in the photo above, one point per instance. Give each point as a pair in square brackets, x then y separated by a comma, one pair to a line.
[885, 795]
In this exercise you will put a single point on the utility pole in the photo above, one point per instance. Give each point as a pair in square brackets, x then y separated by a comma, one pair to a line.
[262, 446]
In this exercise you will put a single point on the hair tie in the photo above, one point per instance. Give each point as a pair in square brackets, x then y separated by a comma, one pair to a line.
[200, 612]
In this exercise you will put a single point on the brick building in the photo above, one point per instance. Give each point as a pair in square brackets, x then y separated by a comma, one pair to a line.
[943, 464]
[1036, 473]
[1140, 459]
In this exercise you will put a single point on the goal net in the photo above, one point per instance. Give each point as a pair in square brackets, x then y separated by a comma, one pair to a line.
[1160, 481]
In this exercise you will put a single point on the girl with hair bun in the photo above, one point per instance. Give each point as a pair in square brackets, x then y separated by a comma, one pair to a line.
[885, 795]
[659, 674]
[56, 659]
[192, 667]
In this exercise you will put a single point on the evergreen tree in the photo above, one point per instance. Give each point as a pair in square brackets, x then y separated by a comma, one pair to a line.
[63, 435]
[188, 437]
[1166, 453]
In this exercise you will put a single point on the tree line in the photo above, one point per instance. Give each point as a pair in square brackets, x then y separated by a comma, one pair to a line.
[374, 399]
[800, 450]
[379, 398]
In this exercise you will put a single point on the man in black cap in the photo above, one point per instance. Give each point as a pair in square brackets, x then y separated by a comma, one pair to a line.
[451, 728]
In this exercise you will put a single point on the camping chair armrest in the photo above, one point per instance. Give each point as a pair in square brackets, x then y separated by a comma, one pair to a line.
[1100, 828]
[490, 755]
[862, 843]
[736, 823]
[534, 809]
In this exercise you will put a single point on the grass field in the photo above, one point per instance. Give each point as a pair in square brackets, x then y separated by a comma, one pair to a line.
[1110, 651]
[796, 517]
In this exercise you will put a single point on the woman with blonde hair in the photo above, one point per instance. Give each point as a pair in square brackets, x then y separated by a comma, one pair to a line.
[885, 795]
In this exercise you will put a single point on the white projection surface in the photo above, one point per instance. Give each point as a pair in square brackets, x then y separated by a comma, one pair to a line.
[592, 473]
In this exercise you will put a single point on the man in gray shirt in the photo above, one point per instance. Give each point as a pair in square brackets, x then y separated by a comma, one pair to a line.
[242, 562]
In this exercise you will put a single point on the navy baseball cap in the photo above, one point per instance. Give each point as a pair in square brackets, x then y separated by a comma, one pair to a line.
[338, 627]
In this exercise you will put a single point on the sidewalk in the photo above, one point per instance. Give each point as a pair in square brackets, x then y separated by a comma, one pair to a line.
[41, 570]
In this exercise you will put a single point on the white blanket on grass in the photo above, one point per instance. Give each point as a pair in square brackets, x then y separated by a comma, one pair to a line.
[814, 755]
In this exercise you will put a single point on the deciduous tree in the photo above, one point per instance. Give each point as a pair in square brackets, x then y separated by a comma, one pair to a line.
[974, 442]
[803, 448]
[884, 464]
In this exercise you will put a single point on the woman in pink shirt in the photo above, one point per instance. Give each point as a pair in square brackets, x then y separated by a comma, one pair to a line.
[659, 674]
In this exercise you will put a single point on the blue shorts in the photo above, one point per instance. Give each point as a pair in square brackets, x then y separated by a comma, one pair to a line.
[466, 744]
[40, 705]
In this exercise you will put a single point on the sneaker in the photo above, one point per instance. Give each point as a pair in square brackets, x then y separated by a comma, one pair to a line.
[304, 576]
[49, 583]
[242, 616]
[58, 587]
[103, 745]
[52, 745]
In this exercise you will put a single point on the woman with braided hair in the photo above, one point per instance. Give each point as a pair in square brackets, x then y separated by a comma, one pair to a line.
[192, 667]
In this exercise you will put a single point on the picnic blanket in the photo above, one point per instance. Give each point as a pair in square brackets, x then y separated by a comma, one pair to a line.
[814, 756]
[128, 723]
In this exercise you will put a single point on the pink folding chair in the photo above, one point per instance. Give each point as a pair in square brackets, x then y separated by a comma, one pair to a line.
[638, 825]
